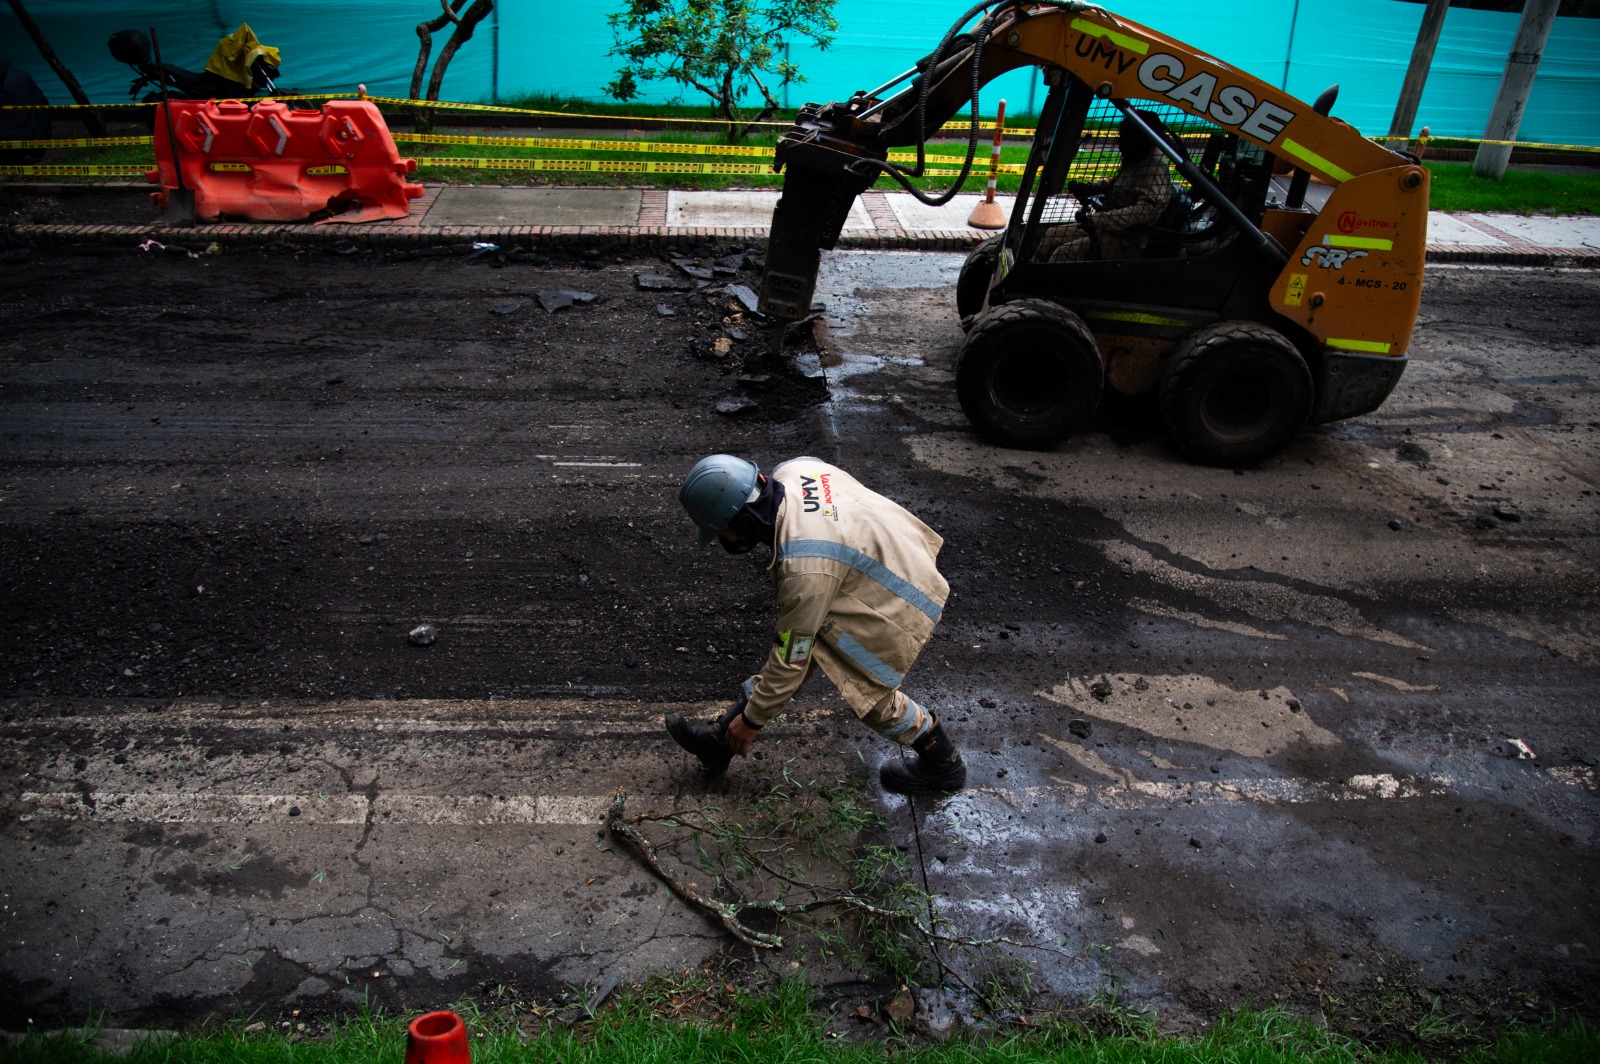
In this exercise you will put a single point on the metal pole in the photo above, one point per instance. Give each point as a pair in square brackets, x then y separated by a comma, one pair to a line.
[1405, 109]
[1288, 51]
[1494, 154]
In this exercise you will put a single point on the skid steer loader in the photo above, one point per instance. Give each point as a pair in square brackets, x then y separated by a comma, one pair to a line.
[1275, 283]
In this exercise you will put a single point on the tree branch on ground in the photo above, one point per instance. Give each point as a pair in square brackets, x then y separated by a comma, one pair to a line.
[796, 853]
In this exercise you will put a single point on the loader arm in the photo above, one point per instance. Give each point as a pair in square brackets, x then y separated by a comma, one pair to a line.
[836, 151]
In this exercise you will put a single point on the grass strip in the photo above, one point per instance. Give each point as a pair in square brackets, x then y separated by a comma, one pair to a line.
[784, 1027]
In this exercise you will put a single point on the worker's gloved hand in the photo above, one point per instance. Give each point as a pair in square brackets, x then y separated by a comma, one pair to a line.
[739, 733]
[1078, 190]
[741, 736]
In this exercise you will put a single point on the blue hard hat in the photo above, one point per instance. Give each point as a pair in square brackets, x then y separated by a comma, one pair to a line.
[717, 488]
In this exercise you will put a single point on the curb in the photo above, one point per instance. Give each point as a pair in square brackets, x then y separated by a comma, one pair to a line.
[412, 237]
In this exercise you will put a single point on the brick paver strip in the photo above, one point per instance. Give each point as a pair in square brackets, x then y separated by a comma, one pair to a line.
[652, 228]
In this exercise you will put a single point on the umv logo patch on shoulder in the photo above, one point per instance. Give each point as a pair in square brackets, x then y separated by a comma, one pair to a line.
[816, 495]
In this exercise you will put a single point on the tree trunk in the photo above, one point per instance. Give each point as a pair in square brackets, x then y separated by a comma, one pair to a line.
[463, 33]
[1405, 109]
[422, 117]
[91, 117]
[1538, 16]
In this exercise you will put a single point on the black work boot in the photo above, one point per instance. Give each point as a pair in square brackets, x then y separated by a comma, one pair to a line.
[708, 742]
[938, 766]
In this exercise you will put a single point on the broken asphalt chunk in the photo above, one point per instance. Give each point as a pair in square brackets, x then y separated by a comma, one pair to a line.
[504, 309]
[423, 635]
[734, 405]
[744, 295]
[699, 273]
[662, 282]
[562, 298]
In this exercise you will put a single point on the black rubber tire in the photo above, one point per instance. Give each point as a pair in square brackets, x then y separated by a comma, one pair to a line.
[972, 283]
[1235, 393]
[1029, 374]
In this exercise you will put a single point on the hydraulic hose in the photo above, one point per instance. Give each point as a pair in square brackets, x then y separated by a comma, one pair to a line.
[993, 10]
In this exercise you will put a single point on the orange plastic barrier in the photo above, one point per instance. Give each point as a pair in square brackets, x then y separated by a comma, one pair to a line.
[265, 162]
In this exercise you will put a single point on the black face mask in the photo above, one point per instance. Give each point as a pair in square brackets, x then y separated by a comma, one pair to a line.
[755, 522]
[738, 546]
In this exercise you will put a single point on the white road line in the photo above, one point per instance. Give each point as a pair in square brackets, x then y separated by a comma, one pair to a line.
[1127, 792]
[346, 809]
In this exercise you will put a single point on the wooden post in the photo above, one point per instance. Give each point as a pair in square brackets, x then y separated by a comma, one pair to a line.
[1538, 16]
[1405, 110]
[91, 117]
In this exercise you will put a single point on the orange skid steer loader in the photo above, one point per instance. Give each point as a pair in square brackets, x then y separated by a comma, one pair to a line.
[1181, 227]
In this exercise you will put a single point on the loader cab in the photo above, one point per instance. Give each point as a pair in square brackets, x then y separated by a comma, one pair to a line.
[1185, 253]
[1182, 265]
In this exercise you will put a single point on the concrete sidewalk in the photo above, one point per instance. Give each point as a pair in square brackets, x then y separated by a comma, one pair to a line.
[522, 214]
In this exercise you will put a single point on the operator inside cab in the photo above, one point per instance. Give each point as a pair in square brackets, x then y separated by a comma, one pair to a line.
[1116, 211]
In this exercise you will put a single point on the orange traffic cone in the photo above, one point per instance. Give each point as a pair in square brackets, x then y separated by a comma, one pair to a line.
[437, 1038]
[987, 214]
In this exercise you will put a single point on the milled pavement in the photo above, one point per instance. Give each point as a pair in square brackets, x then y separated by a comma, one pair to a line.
[505, 214]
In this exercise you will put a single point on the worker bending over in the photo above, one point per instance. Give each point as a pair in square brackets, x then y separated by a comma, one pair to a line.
[858, 594]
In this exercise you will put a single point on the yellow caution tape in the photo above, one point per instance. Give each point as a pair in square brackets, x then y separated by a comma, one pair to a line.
[953, 128]
[75, 171]
[603, 166]
[584, 144]
[496, 109]
[152, 103]
[1537, 145]
[81, 142]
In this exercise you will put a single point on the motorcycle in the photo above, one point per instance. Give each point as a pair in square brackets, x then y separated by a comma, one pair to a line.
[240, 66]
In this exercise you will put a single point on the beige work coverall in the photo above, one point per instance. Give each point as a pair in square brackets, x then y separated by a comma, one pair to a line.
[858, 594]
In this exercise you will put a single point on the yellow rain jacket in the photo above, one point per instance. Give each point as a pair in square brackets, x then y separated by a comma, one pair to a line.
[234, 54]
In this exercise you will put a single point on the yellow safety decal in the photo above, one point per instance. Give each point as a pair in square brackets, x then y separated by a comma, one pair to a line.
[229, 168]
[1315, 161]
[330, 169]
[1371, 347]
[1135, 318]
[1121, 40]
[1370, 242]
[1296, 292]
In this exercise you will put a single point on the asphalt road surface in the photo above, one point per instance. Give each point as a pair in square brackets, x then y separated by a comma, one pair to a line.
[1321, 731]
